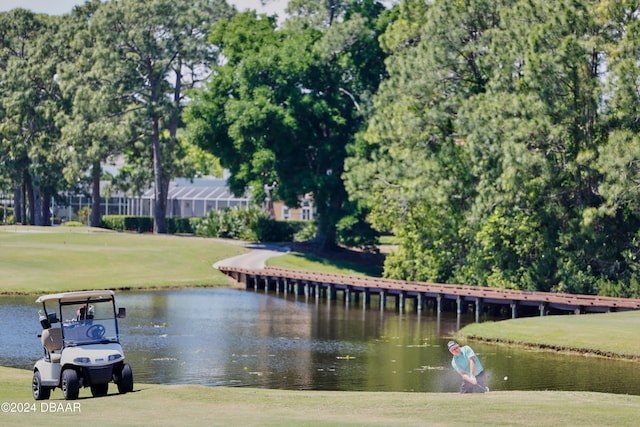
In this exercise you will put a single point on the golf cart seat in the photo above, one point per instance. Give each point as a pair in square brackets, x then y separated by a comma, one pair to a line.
[52, 341]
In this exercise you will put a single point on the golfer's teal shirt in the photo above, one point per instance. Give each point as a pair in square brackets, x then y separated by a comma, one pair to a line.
[461, 362]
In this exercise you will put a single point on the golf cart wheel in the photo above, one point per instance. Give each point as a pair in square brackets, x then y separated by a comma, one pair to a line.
[99, 389]
[70, 384]
[40, 392]
[125, 379]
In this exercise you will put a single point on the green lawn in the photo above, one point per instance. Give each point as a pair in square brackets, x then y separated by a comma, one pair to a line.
[613, 334]
[53, 259]
[301, 261]
[191, 405]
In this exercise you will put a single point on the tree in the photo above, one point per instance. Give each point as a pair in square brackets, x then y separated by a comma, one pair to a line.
[93, 127]
[560, 70]
[486, 153]
[152, 52]
[288, 102]
[411, 167]
[619, 156]
[30, 99]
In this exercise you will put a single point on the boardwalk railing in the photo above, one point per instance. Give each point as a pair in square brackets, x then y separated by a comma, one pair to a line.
[476, 298]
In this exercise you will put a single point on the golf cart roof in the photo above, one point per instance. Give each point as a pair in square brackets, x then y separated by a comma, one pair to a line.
[76, 296]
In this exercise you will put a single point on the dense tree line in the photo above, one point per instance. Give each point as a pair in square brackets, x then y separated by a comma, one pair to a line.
[107, 80]
[497, 140]
[503, 148]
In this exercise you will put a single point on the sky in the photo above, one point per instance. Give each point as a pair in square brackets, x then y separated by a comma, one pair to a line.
[60, 7]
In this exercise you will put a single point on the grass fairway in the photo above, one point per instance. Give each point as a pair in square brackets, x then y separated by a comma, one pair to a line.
[190, 405]
[38, 260]
[608, 334]
[300, 261]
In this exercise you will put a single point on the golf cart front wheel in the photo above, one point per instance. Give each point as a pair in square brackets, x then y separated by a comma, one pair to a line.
[70, 384]
[125, 379]
[99, 389]
[40, 392]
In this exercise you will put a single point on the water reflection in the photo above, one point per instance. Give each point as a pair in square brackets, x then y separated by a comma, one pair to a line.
[242, 338]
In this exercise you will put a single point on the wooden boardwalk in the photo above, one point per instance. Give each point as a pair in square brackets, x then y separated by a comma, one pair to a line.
[462, 298]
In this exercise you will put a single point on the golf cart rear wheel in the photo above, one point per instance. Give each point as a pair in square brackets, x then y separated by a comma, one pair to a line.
[70, 384]
[99, 389]
[125, 379]
[40, 392]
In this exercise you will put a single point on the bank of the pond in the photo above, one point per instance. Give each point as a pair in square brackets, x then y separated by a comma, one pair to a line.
[186, 405]
[604, 334]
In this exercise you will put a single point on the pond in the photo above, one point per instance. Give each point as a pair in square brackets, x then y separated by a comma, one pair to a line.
[234, 337]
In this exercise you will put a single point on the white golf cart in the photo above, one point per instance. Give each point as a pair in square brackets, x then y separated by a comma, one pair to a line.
[81, 345]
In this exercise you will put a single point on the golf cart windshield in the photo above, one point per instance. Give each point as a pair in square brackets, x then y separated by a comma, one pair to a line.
[88, 322]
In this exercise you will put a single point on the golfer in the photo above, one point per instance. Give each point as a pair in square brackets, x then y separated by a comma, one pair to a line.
[467, 364]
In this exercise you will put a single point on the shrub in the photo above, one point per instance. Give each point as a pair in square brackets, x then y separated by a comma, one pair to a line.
[304, 230]
[250, 224]
[180, 226]
[141, 224]
[8, 213]
[209, 226]
[72, 224]
[6, 216]
[144, 224]
[235, 223]
[194, 222]
[355, 232]
[84, 213]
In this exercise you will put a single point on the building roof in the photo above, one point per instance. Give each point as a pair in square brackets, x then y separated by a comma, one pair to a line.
[207, 189]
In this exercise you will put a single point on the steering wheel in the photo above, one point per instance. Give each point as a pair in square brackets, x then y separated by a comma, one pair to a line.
[95, 332]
